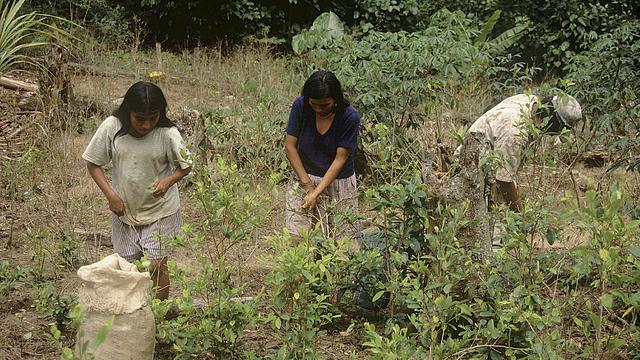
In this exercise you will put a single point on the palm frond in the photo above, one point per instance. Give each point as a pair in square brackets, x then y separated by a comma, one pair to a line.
[507, 39]
[21, 32]
[488, 27]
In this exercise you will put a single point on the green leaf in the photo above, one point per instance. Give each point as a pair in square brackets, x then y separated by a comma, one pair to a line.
[607, 300]
[326, 29]
[447, 288]
[67, 354]
[277, 323]
[505, 40]
[55, 332]
[635, 250]
[378, 295]
[551, 235]
[615, 343]
[488, 27]
[578, 322]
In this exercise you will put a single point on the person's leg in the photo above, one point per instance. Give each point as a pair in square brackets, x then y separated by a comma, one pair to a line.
[343, 194]
[297, 219]
[154, 240]
[160, 277]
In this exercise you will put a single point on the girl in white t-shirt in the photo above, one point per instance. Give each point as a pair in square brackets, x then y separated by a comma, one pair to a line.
[148, 158]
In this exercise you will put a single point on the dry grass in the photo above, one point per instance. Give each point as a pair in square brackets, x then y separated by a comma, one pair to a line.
[200, 78]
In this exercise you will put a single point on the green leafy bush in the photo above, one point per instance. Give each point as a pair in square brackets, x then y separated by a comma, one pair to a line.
[528, 303]
[299, 303]
[606, 78]
[211, 318]
[10, 276]
[252, 140]
[55, 304]
[23, 32]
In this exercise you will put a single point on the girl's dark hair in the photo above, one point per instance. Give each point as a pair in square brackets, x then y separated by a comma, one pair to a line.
[547, 112]
[142, 97]
[324, 84]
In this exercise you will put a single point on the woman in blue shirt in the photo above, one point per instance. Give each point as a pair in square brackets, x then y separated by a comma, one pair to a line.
[321, 139]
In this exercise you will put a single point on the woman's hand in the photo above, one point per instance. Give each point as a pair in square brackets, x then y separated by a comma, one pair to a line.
[308, 186]
[160, 187]
[116, 205]
[310, 201]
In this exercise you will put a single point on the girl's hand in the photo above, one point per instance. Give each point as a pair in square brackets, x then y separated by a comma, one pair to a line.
[116, 205]
[160, 187]
[310, 201]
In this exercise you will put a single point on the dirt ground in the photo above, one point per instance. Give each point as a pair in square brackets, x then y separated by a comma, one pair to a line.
[79, 205]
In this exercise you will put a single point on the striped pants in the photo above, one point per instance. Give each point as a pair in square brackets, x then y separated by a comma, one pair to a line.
[340, 197]
[131, 242]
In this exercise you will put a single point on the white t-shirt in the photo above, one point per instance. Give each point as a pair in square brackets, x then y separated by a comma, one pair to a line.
[504, 127]
[137, 164]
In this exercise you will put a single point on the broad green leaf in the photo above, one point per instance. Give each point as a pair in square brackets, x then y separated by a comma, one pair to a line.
[635, 250]
[378, 295]
[607, 300]
[615, 343]
[67, 354]
[326, 29]
[488, 27]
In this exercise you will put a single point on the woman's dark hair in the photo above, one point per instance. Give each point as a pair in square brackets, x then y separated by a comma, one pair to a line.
[142, 97]
[324, 84]
[552, 125]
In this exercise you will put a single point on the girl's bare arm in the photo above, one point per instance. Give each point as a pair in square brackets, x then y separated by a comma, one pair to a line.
[116, 205]
[291, 149]
[162, 186]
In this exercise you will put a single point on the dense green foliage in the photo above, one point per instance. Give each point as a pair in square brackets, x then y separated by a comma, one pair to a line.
[607, 78]
[404, 70]
[554, 31]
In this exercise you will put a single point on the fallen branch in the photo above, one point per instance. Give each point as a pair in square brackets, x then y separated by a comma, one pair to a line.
[17, 84]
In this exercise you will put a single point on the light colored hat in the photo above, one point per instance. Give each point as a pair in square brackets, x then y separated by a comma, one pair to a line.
[568, 109]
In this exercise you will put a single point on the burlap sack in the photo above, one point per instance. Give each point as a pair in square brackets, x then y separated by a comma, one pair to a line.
[114, 287]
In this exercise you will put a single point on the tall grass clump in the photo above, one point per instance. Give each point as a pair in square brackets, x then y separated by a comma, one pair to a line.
[21, 33]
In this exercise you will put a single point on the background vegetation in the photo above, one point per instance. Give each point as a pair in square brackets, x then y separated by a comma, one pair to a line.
[566, 285]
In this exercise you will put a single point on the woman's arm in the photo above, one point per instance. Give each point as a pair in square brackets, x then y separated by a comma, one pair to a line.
[291, 149]
[161, 186]
[342, 154]
[116, 205]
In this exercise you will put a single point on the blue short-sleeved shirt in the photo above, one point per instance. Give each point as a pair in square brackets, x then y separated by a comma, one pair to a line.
[317, 151]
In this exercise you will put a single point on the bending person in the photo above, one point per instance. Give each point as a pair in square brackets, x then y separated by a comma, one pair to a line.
[504, 127]
[321, 138]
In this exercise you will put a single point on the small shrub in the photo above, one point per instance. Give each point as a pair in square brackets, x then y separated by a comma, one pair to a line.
[299, 305]
[10, 276]
[55, 305]
[211, 327]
